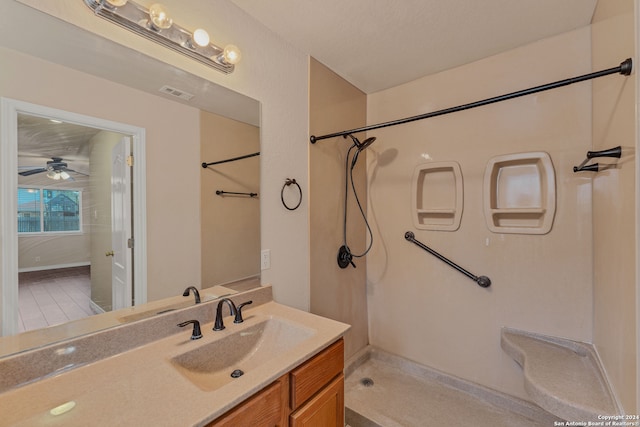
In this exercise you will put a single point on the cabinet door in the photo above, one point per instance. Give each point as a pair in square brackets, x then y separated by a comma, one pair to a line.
[308, 379]
[267, 408]
[326, 409]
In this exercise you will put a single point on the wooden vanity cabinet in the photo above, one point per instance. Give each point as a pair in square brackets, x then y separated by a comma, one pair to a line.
[311, 395]
[268, 407]
[317, 389]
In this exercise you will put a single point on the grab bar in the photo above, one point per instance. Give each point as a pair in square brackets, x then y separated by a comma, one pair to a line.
[222, 193]
[482, 281]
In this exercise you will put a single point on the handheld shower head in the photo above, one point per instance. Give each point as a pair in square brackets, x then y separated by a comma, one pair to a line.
[361, 145]
[345, 256]
[367, 142]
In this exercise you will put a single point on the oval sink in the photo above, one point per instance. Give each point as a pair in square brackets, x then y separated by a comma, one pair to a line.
[210, 366]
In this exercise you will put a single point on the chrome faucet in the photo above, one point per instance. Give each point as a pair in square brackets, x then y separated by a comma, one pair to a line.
[219, 325]
[195, 293]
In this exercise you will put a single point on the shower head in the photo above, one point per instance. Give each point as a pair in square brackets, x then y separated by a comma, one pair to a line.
[361, 145]
[367, 142]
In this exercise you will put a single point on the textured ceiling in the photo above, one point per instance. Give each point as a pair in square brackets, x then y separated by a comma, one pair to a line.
[377, 44]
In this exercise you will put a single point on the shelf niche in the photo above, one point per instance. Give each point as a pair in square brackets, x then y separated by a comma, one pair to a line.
[437, 198]
[520, 193]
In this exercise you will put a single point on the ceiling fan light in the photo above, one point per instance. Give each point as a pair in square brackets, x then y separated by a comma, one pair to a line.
[64, 175]
[55, 175]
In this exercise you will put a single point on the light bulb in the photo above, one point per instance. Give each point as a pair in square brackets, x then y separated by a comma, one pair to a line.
[64, 175]
[116, 3]
[231, 54]
[160, 19]
[201, 37]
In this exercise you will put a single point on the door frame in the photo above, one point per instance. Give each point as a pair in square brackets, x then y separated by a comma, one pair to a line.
[9, 109]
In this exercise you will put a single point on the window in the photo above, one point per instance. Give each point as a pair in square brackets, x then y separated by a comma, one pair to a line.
[45, 210]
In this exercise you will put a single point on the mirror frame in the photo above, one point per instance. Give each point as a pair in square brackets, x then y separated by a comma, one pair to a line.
[9, 109]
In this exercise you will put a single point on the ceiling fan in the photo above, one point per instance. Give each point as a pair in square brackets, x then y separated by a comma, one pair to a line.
[56, 169]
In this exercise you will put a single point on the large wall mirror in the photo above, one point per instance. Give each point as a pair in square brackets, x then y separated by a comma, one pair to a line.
[61, 173]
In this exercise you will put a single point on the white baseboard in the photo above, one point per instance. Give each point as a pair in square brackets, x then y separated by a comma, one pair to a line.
[96, 308]
[53, 267]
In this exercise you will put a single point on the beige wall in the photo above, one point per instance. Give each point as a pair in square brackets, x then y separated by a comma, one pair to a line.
[230, 228]
[421, 308]
[337, 293]
[614, 202]
[173, 240]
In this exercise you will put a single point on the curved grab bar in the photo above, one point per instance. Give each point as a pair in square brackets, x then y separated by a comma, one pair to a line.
[482, 281]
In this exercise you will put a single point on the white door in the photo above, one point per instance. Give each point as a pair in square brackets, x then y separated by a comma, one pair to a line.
[121, 286]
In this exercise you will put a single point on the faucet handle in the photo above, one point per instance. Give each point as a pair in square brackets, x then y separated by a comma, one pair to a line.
[196, 334]
[238, 318]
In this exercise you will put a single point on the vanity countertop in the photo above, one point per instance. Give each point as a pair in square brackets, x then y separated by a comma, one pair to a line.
[39, 337]
[142, 387]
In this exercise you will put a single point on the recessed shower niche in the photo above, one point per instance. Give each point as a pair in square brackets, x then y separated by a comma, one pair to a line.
[520, 193]
[437, 196]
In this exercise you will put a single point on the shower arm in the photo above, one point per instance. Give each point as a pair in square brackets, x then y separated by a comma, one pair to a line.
[482, 281]
[624, 68]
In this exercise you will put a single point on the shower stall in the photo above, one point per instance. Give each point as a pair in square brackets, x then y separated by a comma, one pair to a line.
[541, 254]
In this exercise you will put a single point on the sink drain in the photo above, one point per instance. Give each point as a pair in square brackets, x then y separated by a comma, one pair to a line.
[367, 382]
[237, 373]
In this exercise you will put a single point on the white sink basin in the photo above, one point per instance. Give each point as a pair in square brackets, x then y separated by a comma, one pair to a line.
[210, 366]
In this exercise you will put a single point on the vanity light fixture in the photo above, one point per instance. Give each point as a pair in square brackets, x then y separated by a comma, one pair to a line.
[156, 24]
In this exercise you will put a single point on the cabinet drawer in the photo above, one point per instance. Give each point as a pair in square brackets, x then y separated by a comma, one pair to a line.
[308, 379]
[265, 408]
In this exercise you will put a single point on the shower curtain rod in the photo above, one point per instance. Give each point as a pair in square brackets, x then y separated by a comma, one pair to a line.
[624, 68]
[204, 165]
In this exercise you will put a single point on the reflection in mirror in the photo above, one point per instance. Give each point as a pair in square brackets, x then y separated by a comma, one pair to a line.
[68, 224]
[77, 50]
[230, 222]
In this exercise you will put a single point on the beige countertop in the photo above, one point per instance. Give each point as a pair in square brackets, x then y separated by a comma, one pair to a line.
[27, 340]
[141, 386]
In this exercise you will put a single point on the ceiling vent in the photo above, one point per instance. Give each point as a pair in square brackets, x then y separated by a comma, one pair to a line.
[168, 90]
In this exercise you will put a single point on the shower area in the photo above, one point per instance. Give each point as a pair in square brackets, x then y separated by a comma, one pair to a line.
[494, 190]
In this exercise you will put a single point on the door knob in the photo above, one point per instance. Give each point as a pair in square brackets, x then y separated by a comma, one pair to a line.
[110, 253]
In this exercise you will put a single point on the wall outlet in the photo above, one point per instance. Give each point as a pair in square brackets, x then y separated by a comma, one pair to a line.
[265, 259]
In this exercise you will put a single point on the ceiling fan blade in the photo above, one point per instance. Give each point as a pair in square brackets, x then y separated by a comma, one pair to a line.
[32, 172]
[74, 171]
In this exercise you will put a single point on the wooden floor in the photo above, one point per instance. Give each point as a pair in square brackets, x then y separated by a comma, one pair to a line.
[56, 296]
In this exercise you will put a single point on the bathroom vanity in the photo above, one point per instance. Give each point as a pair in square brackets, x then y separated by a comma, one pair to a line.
[311, 394]
[291, 363]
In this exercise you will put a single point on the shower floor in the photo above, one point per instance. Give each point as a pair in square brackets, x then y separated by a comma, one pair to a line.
[410, 395]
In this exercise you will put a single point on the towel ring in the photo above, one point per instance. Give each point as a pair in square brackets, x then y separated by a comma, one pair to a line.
[288, 182]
